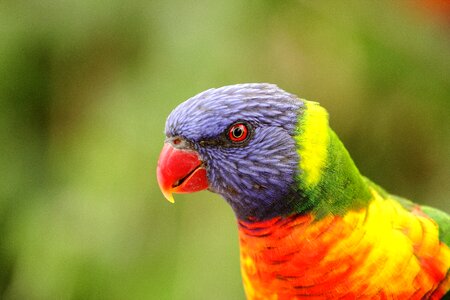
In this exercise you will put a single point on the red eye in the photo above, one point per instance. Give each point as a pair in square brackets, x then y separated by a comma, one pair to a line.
[238, 132]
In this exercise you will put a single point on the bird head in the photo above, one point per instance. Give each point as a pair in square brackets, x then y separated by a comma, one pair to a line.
[237, 141]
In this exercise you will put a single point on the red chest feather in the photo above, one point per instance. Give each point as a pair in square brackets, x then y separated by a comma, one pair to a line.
[379, 253]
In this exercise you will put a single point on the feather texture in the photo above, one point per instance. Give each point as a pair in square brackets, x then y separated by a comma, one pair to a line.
[310, 225]
[380, 252]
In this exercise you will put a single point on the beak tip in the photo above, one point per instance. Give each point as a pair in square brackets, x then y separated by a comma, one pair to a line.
[169, 196]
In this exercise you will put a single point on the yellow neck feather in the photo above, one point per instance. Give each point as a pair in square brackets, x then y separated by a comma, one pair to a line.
[313, 139]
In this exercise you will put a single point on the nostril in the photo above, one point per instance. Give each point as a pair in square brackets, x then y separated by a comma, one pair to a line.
[179, 143]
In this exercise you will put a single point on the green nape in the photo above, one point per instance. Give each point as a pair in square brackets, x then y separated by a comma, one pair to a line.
[340, 187]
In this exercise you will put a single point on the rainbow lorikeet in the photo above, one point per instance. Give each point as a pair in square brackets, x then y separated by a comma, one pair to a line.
[310, 225]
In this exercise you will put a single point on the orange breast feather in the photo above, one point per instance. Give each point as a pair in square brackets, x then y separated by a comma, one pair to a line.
[382, 252]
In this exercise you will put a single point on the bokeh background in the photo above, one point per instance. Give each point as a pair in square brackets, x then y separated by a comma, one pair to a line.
[85, 87]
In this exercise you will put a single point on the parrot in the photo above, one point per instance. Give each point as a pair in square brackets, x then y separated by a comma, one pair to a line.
[310, 226]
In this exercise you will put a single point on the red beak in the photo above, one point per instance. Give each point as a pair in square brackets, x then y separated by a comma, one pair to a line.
[180, 171]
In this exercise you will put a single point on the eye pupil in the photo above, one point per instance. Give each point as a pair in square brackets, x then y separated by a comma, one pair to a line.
[238, 132]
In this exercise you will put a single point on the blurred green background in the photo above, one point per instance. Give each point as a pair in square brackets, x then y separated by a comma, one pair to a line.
[85, 87]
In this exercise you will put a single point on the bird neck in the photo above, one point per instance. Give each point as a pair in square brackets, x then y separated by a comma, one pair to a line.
[328, 181]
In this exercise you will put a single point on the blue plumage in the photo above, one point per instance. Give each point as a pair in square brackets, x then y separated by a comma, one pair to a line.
[255, 178]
